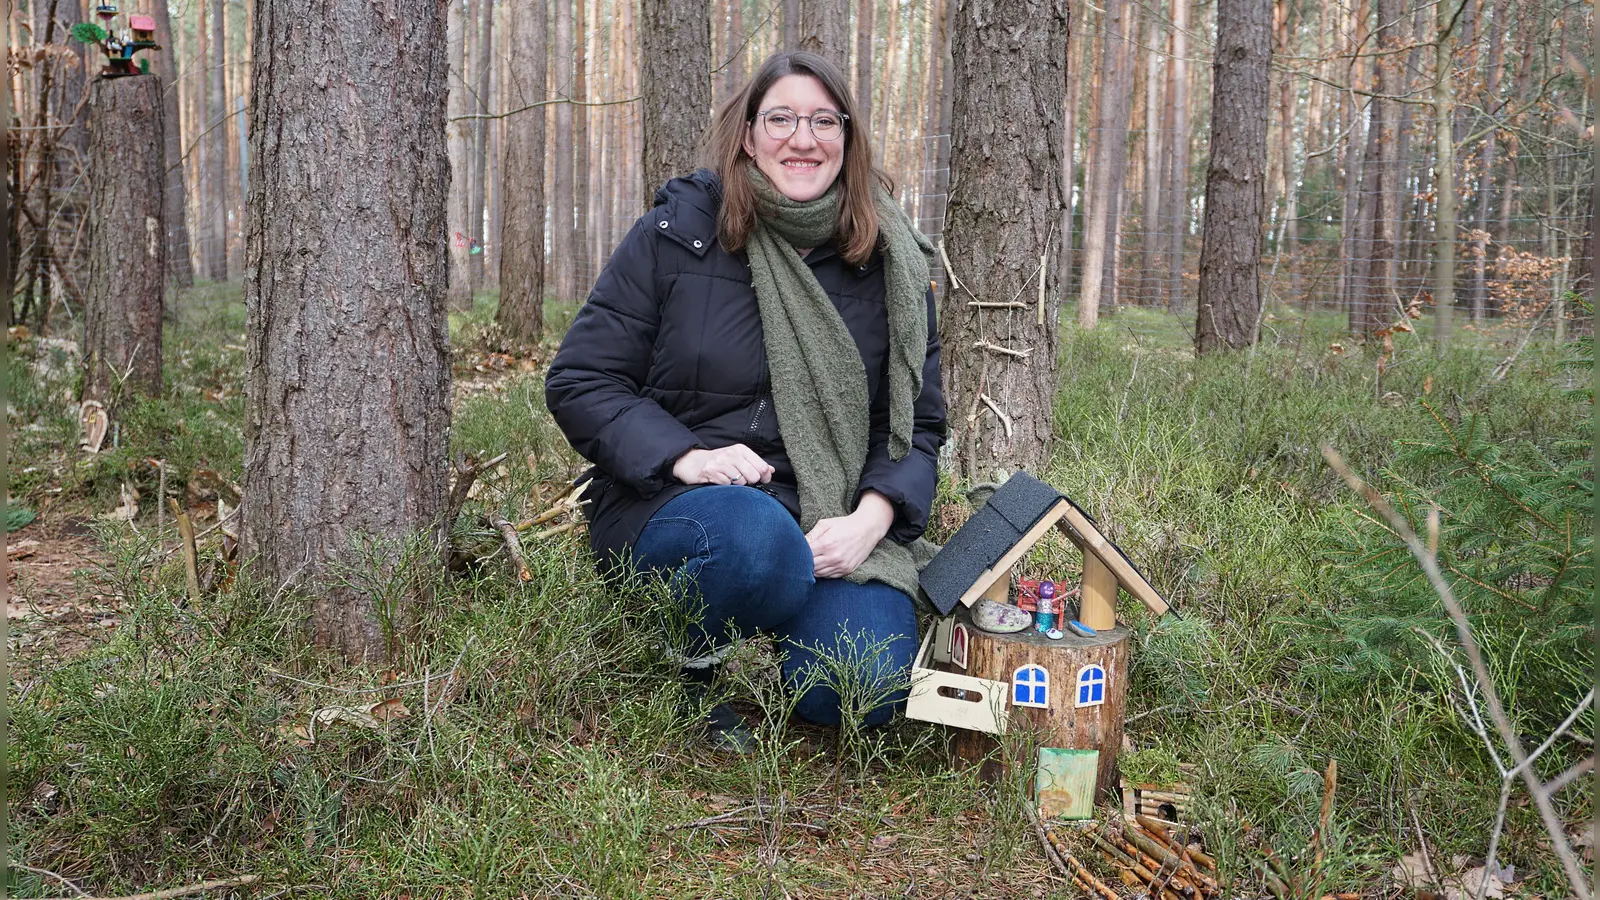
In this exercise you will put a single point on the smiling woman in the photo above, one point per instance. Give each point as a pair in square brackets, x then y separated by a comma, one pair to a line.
[756, 380]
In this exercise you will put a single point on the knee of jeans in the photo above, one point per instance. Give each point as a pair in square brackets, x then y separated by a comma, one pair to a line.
[759, 543]
[821, 704]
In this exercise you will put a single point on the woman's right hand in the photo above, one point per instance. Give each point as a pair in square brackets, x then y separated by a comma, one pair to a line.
[734, 464]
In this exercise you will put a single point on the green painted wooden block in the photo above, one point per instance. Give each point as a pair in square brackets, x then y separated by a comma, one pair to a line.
[1064, 783]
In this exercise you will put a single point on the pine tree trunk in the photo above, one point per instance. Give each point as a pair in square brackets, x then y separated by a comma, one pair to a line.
[674, 71]
[1444, 116]
[583, 263]
[178, 263]
[480, 142]
[930, 209]
[357, 485]
[127, 240]
[791, 24]
[1150, 241]
[825, 30]
[1373, 293]
[216, 194]
[1484, 195]
[1110, 154]
[1175, 167]
[736, 45]
[1230, 249]
[521, 312]
[1006, 54]
[458, 136]
[1069, 160]
[562, 269]
[866, 16]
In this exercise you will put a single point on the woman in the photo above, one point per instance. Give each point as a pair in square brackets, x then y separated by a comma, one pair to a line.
[756, 378]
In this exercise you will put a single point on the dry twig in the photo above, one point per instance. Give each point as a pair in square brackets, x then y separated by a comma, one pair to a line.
[186, 890]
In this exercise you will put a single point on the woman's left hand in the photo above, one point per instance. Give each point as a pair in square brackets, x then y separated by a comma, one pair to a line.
[840, 544]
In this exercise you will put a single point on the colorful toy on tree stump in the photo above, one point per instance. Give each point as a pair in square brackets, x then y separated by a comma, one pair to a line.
[119, 48]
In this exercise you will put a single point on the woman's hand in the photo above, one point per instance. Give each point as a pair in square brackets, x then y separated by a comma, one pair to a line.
[734, 464]
[840, 544]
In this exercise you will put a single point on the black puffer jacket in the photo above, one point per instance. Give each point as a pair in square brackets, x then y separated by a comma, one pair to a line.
[667, 356]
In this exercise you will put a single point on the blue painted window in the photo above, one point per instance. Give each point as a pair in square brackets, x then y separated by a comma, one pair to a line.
[1091, 686]
[1030, 686]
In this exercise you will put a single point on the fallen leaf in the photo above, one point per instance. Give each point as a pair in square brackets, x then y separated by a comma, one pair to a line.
[129, 508]
[1465, 886]
[1411, 871]
[330, 714]
[388, 710]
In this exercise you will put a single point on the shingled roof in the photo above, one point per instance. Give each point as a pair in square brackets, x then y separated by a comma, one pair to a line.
[995, 528]
[1005, 521]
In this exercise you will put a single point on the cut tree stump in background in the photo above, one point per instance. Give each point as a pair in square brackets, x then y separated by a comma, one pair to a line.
[127, 240]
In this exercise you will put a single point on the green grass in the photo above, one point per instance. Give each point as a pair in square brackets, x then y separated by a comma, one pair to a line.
[552, 749]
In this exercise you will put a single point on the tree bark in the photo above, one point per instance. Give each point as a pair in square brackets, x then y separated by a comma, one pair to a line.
[216, 193]
[791, 25]
[825, 30]
[582, 262]
[346, 300]
[1374, 293]
[480, 142]
[1069, 160]
[178, 263]
[1150, 242]
[1109, 162]
[866, 15]
[1230, 249]
[127, 240]
[1444, 114]
[521, 312]
[1006, 54]
[674, 73]
[562, 270]
[1175, 157]
[458, 135]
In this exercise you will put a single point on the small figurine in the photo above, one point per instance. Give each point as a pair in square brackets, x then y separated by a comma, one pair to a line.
[119, 50]
[1044, 620]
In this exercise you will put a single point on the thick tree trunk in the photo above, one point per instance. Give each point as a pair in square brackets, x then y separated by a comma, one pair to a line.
[1110, 160]
[458, 136]
[825, 30]
[791, 24]
[348, 377]
[563, 272]
[674, 72]
[127, 240]
[480, 142]
[930, 208]
[866, 15]
[179, 265]
[521, 312]
[1230, 249]
[216, 193]
[999, 366]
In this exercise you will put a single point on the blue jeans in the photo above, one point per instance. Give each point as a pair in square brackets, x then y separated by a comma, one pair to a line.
[734, 555]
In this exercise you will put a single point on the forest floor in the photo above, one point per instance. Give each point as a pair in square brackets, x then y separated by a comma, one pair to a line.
[533, 741]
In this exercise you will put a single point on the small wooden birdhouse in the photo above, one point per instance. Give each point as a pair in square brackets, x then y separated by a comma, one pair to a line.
[1071, 689]
[144, 29]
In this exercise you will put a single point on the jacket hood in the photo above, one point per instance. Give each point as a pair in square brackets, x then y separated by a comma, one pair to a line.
[686, 209]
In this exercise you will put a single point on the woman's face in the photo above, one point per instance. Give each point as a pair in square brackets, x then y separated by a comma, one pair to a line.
[800, 166]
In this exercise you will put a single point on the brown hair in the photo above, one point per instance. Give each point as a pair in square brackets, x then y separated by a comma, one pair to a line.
[724, 153]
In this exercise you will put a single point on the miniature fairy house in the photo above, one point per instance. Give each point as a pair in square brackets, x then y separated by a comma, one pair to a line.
[1070, 689]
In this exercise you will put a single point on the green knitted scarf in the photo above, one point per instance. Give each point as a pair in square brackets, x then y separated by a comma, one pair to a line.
[819, 383]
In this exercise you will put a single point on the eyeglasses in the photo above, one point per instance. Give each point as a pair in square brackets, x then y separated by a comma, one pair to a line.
[781, 124]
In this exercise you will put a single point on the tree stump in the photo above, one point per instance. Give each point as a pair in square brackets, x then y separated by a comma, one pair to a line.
[1063, 723]
[127, 239]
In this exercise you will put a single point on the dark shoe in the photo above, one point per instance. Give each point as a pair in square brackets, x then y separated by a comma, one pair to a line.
[726, 731]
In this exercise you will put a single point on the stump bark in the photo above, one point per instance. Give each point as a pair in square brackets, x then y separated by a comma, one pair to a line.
[127, 240]
[1063, 724]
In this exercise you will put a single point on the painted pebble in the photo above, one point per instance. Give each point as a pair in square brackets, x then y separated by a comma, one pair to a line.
[1080, 629]
[1000, 618]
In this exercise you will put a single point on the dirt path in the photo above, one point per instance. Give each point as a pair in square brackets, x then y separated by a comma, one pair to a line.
[58, 601]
